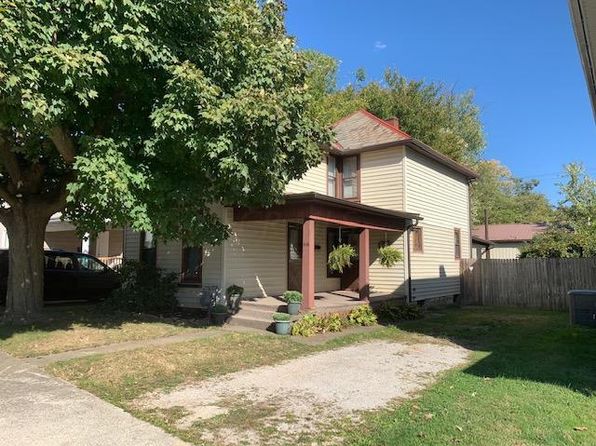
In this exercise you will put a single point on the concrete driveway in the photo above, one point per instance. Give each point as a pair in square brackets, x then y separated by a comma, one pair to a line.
[37, 409]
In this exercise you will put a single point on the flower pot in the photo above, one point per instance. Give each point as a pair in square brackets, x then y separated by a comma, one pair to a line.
[282, 327]
[219, 318]
[294, 308]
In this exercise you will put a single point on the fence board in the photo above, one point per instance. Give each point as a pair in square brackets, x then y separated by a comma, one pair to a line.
[532, 283]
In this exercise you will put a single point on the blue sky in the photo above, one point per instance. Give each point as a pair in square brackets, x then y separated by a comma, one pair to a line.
[520, 57]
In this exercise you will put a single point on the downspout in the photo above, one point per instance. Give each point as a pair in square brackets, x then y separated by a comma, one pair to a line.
[408, 232]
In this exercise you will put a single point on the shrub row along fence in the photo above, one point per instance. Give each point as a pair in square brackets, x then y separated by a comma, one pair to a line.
[532, 283]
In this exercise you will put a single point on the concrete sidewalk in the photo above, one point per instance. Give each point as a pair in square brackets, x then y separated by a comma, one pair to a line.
[37, 409]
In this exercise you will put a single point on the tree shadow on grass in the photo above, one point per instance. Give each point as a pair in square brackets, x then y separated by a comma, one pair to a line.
[66, 316]
[522, 344]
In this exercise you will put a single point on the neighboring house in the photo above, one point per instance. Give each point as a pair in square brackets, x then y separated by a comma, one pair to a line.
[376, 185]
[583, 15]
[506, 239]
[480, 247]
[107, 246]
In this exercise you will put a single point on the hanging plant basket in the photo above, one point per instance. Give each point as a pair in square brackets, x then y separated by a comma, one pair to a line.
[389, 256]
[341, 257]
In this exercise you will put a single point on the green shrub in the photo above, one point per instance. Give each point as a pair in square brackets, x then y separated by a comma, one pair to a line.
[394, 312]
[144, 289]
[293, 297]
[362, 315]
[341, 257]
[220, 309]
[234, 290]
[332, 323]
[389, 256]
[281, 317]
[309, 325]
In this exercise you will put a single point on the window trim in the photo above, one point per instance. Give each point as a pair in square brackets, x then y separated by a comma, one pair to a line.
[457, 243]
[184, 265]
[417, 230]
[339, 177]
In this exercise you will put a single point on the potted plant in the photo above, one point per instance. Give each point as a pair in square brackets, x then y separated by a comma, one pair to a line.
[341, 257]
[219, 314]
[389, 256]
[294, 300]
[233, 295]
[282, 323]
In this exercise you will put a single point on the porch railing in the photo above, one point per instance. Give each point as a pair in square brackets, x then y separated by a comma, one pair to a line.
[112, 261]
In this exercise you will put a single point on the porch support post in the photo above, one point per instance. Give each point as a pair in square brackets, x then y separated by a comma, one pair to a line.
[308, 264]
[363, 263]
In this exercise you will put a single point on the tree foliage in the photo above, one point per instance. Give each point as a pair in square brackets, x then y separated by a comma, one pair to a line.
[161, 108]
[507, 199]
[147, 112]
[574, 232]
[429, 111]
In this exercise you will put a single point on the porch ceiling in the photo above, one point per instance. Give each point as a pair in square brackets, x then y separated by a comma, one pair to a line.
[314, 206]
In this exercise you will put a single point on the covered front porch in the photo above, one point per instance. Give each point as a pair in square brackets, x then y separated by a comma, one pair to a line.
[314, 222]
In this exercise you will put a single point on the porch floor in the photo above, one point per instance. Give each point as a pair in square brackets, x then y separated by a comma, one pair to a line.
[325, 301]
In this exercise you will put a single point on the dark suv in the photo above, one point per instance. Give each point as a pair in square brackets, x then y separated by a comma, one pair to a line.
[69, 276]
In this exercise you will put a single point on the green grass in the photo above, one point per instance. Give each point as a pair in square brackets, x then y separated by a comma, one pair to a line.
[531, 380]
[82, 326]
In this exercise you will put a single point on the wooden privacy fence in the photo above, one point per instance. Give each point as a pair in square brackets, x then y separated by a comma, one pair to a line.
[533, 283]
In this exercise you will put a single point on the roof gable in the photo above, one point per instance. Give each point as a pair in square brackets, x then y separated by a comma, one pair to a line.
[363, 129]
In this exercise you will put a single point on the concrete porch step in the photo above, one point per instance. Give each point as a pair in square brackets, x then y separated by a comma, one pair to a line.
[250, 321]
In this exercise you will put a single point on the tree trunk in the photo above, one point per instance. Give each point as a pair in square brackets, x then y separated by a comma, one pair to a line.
[26, 230]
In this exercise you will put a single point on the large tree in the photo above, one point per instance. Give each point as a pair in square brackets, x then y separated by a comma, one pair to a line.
[430, 111]
[506, 198]
[573, 231]
[143, 113]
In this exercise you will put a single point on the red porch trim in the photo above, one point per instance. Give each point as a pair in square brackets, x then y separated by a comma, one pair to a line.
[363, 264]
[350, 224]
[308, 264]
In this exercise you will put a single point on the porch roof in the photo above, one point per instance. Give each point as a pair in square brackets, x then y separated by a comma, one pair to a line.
[315, 206]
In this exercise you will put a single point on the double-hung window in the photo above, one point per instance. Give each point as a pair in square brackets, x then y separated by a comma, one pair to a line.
[343, 177]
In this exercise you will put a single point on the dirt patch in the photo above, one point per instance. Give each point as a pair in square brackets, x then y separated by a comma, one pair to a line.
[307, 392]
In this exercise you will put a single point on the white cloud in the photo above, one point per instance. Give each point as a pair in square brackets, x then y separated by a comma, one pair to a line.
[380, 45]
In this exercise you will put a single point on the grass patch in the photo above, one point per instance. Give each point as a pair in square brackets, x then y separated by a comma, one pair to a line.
[76, 327]
[531, 381]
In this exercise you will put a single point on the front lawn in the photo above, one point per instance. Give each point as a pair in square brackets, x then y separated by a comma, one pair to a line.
[82, 326]
[531, 380]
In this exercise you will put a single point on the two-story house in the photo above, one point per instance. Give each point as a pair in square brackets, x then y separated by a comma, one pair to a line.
[376, 185]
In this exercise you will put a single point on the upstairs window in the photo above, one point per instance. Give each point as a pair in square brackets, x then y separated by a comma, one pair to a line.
[331, 176]
[192, 265]
[148, 248]
[350, 177]
[457, 242]
[343, 177]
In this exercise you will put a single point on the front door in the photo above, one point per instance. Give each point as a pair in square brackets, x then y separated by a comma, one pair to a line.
[294, 256]
[349, 278]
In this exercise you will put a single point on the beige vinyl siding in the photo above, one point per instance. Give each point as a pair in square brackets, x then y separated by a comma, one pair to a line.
[387, 280]
[315, 180]
[116, 241]
[256, 257]
[381, 178]
[169, 256]
[505, 250]
[132, 244]
[65, 240]
[440, 195]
